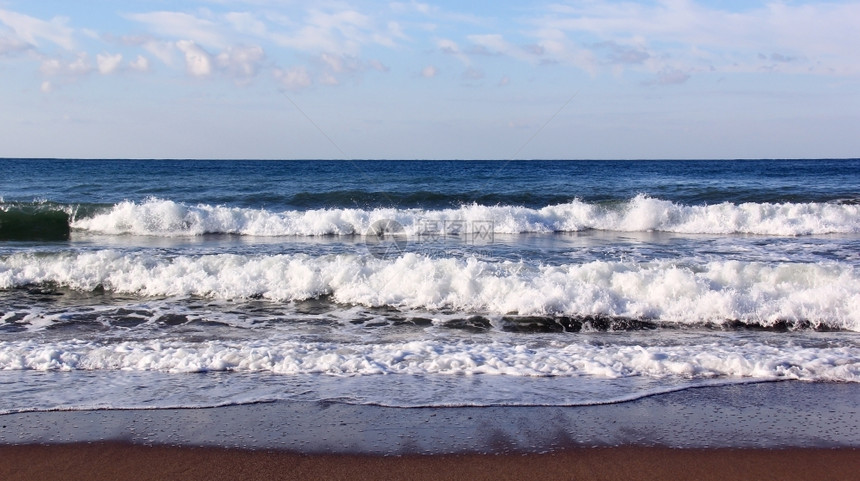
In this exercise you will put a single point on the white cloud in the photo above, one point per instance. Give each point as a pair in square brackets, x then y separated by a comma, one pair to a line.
[429, 71]
[553, 46]
[161, 50]
[246, 23]
[51, 66]
[47, 87]
[396, 30]
[294, 78]
[179, 25]
[335, 63]
[108, 63]
[435, 12]
[334, 36]
[80, 65]
[340, 32]
[701, 36]
[671, 77]
[197, 61]
[450, 47]
[328, 79]
[55, 66]
[10, 44]
[336, 66]
[494, 43]
[377, 65]
[401, 7]
[242, 62]
[141, 64]
[422, 7]
[31, 30]
[620, 54]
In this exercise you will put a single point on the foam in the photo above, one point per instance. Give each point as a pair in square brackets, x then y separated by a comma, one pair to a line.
[157, 217]
[718, 359]
[823, 294]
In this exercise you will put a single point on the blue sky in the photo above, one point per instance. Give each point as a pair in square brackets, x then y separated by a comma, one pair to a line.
[411, 80]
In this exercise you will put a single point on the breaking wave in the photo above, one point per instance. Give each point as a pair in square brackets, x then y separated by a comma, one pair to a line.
[156, 217]
[768, 294]
[708, 361]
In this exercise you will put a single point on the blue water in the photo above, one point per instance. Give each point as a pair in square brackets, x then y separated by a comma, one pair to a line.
[429, 184]
[147, 283]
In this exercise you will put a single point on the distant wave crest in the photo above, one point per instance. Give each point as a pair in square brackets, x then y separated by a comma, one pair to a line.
[158, 217]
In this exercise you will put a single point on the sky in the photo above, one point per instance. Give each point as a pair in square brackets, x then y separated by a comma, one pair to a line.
[281, 79]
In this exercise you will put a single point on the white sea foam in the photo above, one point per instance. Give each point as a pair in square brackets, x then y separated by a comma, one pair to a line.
[157, 217]
[717, 359]
[754, 292]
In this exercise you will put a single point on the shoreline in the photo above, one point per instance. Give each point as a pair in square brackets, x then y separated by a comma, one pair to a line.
[773, 415]
[779, 430]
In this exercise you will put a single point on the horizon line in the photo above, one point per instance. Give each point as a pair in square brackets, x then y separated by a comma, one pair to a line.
[371, 159]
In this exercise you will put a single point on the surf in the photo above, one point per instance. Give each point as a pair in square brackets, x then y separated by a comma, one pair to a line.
[683, 292]
[167, 218]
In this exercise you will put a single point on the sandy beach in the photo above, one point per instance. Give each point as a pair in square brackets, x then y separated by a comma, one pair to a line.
[123, 461]
[761, 431]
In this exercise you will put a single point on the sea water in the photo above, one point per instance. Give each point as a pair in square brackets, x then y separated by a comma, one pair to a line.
[186, 283]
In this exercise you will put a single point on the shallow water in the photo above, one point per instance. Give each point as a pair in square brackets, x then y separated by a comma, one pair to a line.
[201, 283]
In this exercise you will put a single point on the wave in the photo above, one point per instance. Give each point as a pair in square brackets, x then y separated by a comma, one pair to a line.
[158, 217]
[718, 359]
[818, 295]
[34, 221]
[166, 218]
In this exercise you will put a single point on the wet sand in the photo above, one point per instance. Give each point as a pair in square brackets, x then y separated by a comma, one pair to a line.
[786, 430]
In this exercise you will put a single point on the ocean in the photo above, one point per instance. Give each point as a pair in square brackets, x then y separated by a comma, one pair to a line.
[147, 284]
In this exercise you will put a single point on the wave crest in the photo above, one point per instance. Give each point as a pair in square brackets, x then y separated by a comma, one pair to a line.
[156, 217]
[820, 295]
[704, 361]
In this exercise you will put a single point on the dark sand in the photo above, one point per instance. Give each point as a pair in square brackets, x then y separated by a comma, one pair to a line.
[786, 430]
[129, 462]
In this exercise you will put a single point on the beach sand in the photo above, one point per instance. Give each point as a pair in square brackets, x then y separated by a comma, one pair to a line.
[785, 430]
[123, 461]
